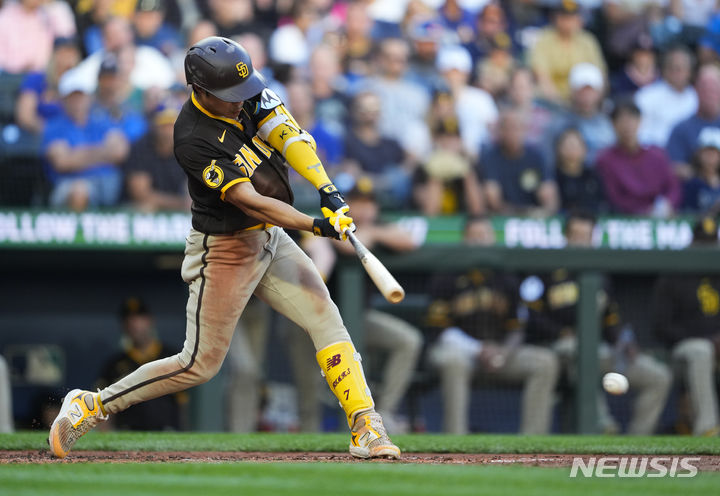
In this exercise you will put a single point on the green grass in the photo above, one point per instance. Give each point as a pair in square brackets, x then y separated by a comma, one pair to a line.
[435, 443]
[326, 479]
[345, 479]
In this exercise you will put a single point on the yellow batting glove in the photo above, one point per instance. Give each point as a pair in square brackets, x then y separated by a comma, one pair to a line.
[333, 225]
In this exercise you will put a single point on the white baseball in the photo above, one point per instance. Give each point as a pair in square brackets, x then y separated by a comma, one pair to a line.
[615, 383]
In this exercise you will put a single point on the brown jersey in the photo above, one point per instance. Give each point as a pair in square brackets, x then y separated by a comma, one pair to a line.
[216, 153]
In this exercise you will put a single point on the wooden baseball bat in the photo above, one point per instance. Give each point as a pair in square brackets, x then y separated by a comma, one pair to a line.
[383, 279]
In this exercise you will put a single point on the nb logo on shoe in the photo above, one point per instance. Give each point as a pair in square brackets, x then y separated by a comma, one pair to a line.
[333, 361]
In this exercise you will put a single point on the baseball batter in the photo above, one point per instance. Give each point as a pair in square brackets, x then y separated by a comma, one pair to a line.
[234, 139]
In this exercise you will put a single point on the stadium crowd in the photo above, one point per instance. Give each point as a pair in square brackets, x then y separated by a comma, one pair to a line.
[474, 107]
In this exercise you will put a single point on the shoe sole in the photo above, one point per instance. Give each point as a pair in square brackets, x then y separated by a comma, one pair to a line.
[54, 438]
[387, 452]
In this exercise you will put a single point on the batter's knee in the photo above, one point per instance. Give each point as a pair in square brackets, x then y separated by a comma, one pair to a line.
[205, 366]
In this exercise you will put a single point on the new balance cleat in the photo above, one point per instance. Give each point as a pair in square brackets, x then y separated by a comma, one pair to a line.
[370, 440]
[80, 412]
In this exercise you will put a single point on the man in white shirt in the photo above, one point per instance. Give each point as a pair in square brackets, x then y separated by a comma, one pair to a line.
[475, 109]
[668, 101]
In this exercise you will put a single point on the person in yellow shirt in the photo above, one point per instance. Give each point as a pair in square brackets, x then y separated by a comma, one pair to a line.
[561, 46]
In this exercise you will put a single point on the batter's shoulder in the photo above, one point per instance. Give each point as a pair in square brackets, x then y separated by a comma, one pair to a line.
[192, 128]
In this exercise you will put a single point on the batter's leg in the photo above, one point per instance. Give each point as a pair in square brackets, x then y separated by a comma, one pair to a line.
[293, 287]
[222, 272]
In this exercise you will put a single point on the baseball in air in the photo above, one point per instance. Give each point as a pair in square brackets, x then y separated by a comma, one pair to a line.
[615, 383]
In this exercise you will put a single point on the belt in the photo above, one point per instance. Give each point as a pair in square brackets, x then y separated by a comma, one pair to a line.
[257, 227]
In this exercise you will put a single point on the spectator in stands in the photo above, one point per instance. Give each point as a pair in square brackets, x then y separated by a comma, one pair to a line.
[494, 72]
[356, 43]
[371, 153]
[492, 27]
[475, 108]
[403, 104]
[457, 20]
[559, 48]
[150, 68]
[152, 30]
[686, 313]
[695, 16]
[516, 177]
[638, 179]
[203, 29]
[7, 425]
[116, 100]
[683, 139]
[479, 323]
[328, 135]
[638, 72]
[83, 151]
[702, 192]
[585, 113]
[625, 21]
[233, 17]
[154, 181]
[292, 42]
[38, 100]
[426, 37]
[447, 182]
[709, 49]
[522, 95]
[668, 101]
[385, 333]
[140, 346]
[328, 88]
[90, 18]
[552, 302]
[578, 184]
[27, 31]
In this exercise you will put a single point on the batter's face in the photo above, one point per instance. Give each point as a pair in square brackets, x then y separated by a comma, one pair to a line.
[218, 107]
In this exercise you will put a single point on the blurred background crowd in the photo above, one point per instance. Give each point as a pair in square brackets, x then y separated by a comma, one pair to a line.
[457, 106]
[470, 107]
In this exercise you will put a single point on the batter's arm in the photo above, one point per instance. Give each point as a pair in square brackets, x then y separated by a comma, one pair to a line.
[266, 209]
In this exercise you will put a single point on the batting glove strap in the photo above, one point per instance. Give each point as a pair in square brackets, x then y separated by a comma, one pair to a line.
[331, 199]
